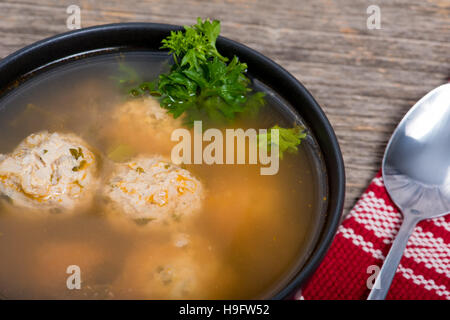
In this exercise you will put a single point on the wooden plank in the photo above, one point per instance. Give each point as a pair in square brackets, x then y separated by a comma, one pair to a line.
[364, 79]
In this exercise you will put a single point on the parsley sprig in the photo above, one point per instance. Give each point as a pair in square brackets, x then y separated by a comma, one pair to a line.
[289, 139]
[202, 84]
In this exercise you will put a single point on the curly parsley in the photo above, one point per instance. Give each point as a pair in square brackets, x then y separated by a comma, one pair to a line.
[202, 84]
[289, 139]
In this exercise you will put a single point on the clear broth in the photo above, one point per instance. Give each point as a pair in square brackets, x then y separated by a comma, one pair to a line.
[261, 227]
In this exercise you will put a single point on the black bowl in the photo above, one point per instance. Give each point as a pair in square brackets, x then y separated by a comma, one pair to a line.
[147, 36]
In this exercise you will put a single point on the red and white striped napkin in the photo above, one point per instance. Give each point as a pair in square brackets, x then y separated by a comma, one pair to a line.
[363, 240]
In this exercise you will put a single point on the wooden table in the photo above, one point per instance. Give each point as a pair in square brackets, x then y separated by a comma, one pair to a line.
[365, 80]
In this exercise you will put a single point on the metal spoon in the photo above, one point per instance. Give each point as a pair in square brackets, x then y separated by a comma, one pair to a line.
[416, 173]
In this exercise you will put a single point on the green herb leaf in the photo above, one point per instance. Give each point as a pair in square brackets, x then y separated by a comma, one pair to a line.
[140, 170]
[81, 166]
[195, 45]
[289, 139]
[202, 84]
[76, 153]
[126, 77]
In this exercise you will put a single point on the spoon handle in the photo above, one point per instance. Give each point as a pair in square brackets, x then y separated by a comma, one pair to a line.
[390, 265]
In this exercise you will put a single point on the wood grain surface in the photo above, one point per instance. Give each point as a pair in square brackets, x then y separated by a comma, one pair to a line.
[365, 80]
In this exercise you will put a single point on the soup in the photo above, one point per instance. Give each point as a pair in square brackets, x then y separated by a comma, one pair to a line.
[192, 231]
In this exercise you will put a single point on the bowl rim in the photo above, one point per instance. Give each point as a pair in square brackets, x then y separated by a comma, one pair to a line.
[46, 52]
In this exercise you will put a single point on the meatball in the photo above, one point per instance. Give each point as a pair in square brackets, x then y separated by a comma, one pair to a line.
[48, 171]
[153, 189]
[142, 125]
[146, 111]
[181, 269]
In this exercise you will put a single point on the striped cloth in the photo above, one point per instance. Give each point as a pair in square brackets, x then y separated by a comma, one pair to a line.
[363, 241]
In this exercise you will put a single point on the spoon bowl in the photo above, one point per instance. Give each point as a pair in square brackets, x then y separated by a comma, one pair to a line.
[416, 173]
[416, 165]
